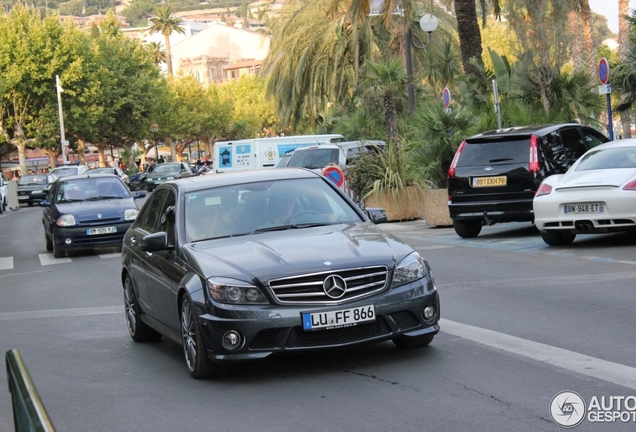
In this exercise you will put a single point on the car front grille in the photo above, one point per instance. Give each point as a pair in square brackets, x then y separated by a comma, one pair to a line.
[309, 289]
[299, 338]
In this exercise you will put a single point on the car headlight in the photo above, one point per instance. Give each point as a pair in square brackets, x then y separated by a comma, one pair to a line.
[66, 220]
[225, 290]
[410, 269]
[130, 214]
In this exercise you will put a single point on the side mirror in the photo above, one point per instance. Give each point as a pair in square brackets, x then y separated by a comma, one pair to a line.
[154, 242]
[44, 203]
[140, 194]
[377, 215]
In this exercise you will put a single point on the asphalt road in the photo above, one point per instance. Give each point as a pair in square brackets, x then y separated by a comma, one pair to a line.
[521, 323]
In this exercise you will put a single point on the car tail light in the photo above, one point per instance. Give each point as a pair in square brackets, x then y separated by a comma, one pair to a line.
[534, 154]
[544, 189]
[630, 186]
[451, 170]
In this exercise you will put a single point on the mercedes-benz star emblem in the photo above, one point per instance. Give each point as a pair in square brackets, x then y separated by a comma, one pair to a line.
[488, 168]
[334, 286]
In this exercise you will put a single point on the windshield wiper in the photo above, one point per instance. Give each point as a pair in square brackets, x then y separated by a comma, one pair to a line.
[500, 160]
[103, 197]
[67, 200]
[292, 226]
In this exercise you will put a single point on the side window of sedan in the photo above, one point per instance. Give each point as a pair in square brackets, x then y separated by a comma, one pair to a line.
[149, 216]
[593, 138]
[167, 217]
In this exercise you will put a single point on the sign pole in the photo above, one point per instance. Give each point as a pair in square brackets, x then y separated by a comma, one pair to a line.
[59, 89]
[606, 89]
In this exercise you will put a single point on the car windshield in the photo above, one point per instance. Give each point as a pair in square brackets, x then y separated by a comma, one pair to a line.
[103, 171]
[32, 180]
[166, 168]
[283, 160]
[91, 189]
[492, 152]
[264, 206]
[62, 172]
[608, 158]
[314, 158]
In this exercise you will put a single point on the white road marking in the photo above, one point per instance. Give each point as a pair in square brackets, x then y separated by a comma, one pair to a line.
[434, 247]
[6, 263]
[49, 259]
[110, 255]
[62, 313]
[585, 365]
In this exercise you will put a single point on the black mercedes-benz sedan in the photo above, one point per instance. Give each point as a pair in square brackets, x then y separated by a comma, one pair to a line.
[241, 266]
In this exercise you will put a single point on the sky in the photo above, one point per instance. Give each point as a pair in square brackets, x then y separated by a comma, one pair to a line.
[609, 8]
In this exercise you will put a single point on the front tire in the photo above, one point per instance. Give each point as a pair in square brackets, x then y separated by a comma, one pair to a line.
[199, 365]
[467, 228]
[57, 252]
[413, 342]
[557, 238]
[139, 332]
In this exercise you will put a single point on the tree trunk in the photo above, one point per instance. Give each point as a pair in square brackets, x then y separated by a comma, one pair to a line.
[469, 34]
[623, 40]
[168, 55]
[390, 113]
[81, 152]
[577, 49]
[52, 154]
[590, 53]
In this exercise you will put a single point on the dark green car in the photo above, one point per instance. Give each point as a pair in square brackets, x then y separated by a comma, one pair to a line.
[167, 171]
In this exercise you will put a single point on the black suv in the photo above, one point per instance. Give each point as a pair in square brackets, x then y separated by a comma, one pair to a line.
[494, 175]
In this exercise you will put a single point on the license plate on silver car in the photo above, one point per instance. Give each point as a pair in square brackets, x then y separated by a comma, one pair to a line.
[583, 208]
[101, 230]
[338, 318]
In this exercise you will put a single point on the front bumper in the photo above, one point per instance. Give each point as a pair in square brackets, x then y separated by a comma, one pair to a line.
[275, 329]
[79, 239]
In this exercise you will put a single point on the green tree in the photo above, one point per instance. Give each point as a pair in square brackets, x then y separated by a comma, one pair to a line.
[251, 108]
[166, 23]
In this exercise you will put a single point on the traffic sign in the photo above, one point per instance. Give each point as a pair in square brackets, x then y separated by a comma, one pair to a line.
[335, 174]
[446, 97]
[604, 89]
[603, 71]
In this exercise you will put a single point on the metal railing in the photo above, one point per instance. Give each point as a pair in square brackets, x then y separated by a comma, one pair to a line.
[29, 413]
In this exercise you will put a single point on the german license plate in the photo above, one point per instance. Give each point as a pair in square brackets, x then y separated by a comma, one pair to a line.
[23, 197]
[490, 181]
[101, 230]
[338, 318]
[583, 208]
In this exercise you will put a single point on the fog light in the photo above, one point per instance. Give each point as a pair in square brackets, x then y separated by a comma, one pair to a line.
[232, 340]
[429, 314]
[68, 241]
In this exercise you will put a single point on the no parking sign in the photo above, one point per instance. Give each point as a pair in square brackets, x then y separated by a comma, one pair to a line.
[335, 174]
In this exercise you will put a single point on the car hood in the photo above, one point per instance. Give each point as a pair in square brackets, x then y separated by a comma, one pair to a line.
[32, 187]
[89, 210]
[260, 257]
[595, 178]
[163, 175]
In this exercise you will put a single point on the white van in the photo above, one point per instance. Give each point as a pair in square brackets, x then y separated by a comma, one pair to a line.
[317, 157]
[257, 153]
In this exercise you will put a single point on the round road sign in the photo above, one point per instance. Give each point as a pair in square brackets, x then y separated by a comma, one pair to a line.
[335, 174]
[603, 70]
[446, 97]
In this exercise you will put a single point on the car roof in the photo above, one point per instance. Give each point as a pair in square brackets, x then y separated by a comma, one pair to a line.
[196, 183]
[523, 130]
[88, 175]
[627, 142]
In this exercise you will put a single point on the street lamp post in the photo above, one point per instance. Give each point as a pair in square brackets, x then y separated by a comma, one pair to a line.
[154, 128]
[197, 128]
[428, 23]
[59, 89]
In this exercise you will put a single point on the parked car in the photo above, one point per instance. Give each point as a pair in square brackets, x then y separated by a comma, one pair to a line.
[69, 170]
[596, 195]
[32, 188]
[209, 265]
[4, 190]
[111, 170]
[138, 181]
[283, 160]
[495, 175]
[319, 156]
[87, 211]
[167, 171]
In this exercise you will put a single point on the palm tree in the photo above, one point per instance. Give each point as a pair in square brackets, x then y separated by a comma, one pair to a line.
[469, 34]
[166, 24]
[623, 40]
[157, 52]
